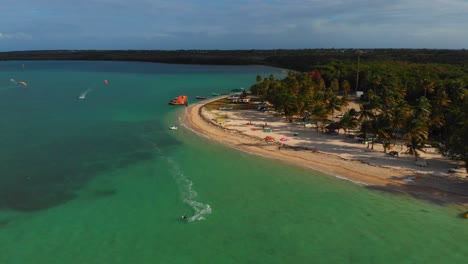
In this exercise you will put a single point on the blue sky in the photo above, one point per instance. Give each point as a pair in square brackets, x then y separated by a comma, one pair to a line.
[240, 24]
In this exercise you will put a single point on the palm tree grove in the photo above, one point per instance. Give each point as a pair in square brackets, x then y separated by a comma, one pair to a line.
[401, 105]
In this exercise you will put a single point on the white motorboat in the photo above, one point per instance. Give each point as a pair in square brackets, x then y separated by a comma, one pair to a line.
[83, 94]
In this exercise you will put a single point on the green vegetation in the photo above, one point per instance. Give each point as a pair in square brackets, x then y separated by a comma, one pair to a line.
[420, 103]
[298, 59]
[216, 105]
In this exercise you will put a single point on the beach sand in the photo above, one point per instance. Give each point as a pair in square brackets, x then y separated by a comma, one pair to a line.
[334, 155]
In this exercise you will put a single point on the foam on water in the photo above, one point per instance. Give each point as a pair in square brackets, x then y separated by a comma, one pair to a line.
[188, 194]
[185, 185]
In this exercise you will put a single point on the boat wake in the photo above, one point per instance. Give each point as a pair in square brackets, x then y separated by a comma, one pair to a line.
[188, 194]
[83, 94]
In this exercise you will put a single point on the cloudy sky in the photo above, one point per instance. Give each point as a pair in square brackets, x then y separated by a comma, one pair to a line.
[232, 24]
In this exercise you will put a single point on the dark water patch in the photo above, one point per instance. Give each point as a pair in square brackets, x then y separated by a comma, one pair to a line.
[5, 222]
[103, 193]
[42, 176]
[36, 197]
[132, 158]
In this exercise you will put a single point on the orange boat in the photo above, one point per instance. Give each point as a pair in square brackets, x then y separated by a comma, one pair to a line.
[179, 100]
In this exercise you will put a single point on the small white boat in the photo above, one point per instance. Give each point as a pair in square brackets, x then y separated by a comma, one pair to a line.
[173, 128]
[83, 95]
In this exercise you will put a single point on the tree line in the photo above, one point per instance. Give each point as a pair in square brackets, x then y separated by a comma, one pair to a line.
[295, 59]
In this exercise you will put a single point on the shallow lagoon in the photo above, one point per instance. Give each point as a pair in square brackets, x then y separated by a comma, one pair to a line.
[103, 180]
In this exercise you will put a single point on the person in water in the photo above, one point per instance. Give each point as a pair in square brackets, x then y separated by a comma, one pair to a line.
[184, 216]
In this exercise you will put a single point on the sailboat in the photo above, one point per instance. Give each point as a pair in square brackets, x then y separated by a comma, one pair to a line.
[83, 94]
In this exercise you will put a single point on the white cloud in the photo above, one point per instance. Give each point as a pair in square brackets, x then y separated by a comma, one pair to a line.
[280, 23]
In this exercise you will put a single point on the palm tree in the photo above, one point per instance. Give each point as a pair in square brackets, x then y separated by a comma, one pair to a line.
[398, 115]
[367, 127]
[456, 141]
[375, 79]
[440, 103]
[373, 101]
[287, 103]
[417, 126]
[344, 101]
[349, 120]
[428, 86]
[366, 112]
[423, 109]
[318, 113]
[346, 87]
[416, 133]
[382, 127]
[334, 85]
[333, 103]
[414, 146]
[457, 90]
[386, 145]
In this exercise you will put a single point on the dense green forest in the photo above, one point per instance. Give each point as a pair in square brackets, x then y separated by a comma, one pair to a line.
[298, 59]
[419, 95]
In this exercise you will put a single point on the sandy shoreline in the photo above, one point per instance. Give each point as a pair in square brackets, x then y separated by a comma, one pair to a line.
[331, 154]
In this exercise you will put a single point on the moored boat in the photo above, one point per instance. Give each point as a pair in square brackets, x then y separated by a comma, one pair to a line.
[179, 100]
[200, 97]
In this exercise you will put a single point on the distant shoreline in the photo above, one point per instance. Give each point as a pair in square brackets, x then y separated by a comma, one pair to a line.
[294, 59]
[371, 176]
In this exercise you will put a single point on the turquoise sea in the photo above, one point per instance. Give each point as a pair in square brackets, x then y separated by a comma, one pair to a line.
[103, 180]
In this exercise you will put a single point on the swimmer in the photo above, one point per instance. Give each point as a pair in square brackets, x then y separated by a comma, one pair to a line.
[184, 216]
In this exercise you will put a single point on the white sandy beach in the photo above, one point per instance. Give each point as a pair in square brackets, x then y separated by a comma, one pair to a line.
[333, 154]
